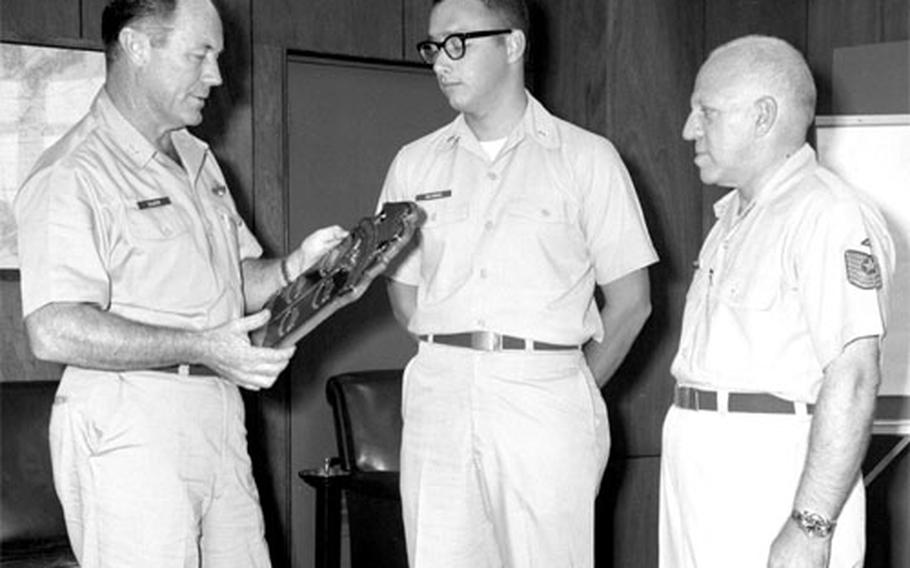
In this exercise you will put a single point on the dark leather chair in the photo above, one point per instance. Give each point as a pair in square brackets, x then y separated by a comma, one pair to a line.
[367, 410]
[32, 531]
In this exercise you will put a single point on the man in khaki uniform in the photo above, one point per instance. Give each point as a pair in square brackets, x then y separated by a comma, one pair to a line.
[505, 430]
[778, 362]
[137, 273]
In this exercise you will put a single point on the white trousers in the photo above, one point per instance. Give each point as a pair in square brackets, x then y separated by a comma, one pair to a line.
[502, 455]
[152, 471]
[727, 485]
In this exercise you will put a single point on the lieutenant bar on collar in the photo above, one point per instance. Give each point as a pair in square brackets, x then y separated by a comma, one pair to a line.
[492, 341]
[723, 401]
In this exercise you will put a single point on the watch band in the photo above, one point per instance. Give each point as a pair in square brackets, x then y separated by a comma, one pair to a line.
[813, 524]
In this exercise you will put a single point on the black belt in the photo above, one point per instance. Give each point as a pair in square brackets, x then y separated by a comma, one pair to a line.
[757, 402]
[187, 369]
[491, 341]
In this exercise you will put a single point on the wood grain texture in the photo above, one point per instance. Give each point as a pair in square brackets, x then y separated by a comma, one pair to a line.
[271, 441]
[567, 59]
[91, 20]
[626, 513]
[651, 56]
[416, 19]
[39, 20]
[728, 19]
[341, 27]
[16, 360]
[841, 23]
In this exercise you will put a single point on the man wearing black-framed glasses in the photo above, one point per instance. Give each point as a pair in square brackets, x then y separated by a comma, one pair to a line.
[505, 431]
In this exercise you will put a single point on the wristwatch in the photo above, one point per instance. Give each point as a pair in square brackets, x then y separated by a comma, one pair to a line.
[813, 524]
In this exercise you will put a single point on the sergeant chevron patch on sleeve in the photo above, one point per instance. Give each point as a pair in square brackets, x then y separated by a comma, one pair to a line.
[862, 270]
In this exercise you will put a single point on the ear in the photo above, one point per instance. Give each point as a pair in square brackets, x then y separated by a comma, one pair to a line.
[516, 44]
[766, 115]
[135, 44]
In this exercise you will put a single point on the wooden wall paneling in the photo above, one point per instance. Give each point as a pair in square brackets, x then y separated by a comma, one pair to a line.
[567, 59]
[270, 420]
[651, 56]
[415, 18]
[728, 19]
[895, 20]
[40, 21]
[626, 514]
[16, 360]
[91, 19]
[343, 27]
[840, 23]
[887, 506]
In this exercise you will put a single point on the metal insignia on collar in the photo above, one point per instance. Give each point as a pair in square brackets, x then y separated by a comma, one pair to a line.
[862, 270]
[219, 190]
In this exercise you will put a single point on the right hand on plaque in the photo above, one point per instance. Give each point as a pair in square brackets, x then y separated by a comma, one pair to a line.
[227, 350]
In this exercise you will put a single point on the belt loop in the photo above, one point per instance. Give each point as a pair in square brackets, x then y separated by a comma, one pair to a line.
[723, 401]
[183, 370]
[800, 408]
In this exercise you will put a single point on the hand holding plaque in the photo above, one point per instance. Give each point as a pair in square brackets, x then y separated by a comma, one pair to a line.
[340, 277]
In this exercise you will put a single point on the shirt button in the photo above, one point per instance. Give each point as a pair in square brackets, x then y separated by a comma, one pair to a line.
[481, 323]
[488, 225]
[492, 176]
[483, 272]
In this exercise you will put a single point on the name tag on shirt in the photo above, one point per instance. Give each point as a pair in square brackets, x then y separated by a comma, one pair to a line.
[156, 202]
[442, 194]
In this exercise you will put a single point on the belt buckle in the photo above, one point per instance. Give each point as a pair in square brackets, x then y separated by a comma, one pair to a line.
[486, 341]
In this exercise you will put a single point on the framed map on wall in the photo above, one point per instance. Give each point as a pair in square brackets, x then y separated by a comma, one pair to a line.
[43, 92]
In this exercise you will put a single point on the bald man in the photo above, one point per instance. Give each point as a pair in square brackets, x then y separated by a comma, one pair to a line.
[778, 363]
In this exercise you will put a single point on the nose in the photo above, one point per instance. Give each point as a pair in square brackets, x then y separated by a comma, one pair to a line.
[211, 73]
[692, 127]
[442, 62]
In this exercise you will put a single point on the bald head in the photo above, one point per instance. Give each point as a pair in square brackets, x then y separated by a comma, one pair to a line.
[769, 66]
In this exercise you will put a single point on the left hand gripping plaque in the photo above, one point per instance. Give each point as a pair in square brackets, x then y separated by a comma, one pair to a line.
[340, 277]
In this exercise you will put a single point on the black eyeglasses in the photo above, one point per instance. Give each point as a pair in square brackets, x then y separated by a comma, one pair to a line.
[453, 44]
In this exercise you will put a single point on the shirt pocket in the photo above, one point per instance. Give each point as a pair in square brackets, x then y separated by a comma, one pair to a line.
[752, 294]
[155, 224]
[437, 216]
[547, 213]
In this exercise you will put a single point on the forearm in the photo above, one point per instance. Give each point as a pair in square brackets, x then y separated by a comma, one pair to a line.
[627, 305]
[261, 279]
[841, 427]
[85, 336]
[403, 300]
[620, 331]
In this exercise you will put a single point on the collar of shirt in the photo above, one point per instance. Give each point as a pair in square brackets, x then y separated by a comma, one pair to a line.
[794, 168]
[192, 151]
[536, 123]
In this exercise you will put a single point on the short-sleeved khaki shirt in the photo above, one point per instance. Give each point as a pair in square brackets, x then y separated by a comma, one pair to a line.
[515, 244]
[106, 219]
[783, 283]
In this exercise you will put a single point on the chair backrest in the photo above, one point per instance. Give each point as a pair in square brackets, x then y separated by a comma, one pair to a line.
[29, 509]
[367, 410]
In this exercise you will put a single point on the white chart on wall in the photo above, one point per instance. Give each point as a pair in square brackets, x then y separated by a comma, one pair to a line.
[872, 152]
